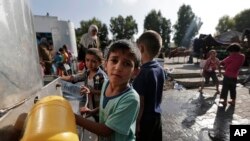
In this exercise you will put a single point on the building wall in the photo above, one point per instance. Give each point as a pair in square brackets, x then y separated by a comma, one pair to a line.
[63, 32]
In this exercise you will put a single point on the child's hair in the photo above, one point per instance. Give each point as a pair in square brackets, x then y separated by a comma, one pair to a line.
[65, 47]
[152, 41]
[60, 50]
[125, 45]
[234, 47]
[212, 51]
[96, 52]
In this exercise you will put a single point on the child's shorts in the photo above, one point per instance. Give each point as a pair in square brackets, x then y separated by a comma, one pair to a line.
[211, 74]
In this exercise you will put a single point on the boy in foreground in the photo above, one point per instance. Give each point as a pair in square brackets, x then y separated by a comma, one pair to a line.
[119, 103]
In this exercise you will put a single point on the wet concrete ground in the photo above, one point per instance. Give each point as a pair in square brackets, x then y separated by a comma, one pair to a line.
[191, 116]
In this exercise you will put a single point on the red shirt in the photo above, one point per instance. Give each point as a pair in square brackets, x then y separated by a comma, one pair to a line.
[232, 64]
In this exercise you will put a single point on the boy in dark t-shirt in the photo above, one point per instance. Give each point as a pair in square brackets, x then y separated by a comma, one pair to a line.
[149, 85]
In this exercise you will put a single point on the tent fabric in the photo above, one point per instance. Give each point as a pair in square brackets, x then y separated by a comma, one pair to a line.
[229, 37]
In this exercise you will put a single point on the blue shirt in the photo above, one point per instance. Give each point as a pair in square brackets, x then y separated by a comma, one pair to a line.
[149, 84]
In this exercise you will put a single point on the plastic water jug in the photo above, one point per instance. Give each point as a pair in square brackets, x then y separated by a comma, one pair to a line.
[51, 119]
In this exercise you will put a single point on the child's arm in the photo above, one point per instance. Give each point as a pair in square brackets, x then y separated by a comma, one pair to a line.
[89, 112]
[75, 78]
[92, 126]
[14, 132]
[67, 78]
[218, 66]
[206, 66]
[95, 92]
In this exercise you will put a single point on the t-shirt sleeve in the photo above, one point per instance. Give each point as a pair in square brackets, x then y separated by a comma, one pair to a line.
[140, 83]
[78, 77]
[125, 115]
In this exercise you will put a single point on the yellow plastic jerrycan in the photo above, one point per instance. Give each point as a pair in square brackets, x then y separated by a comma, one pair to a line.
[51, 119]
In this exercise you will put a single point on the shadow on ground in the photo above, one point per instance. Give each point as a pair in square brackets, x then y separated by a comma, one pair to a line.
[200, 106]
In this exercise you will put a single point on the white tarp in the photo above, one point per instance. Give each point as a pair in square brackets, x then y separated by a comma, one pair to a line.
[20, 73]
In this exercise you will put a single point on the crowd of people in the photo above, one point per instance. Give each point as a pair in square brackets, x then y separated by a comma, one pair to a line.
[124, 90]
[121, 99]
[54, 62]
[140, 119]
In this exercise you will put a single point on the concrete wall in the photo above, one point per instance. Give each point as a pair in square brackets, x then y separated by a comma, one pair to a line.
[63, 32]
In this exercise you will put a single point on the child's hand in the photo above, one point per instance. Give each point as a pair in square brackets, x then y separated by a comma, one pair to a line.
[86, 110]
[84, 90]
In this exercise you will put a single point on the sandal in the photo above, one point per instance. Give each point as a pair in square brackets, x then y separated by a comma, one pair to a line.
[232, 102]
[222, 104]
[221, 101]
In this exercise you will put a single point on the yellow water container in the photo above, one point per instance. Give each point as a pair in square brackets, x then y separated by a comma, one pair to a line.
[51, 119]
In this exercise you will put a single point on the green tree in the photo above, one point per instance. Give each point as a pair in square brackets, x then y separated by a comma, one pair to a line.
[78, 32]
[186, 27]
[225, 24]
[102, 32]
[85, 24]
[155, 21]
[242, 20]
[103, 36]
[123, 28]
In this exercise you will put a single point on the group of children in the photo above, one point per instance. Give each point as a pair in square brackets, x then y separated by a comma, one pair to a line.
[125, 97]
[54, 63]
[62, 62]
[231, 65]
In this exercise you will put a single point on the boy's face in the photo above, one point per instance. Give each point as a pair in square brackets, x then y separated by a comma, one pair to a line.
[120, 67]
[140, 47]
[92, 62]
[213, 54]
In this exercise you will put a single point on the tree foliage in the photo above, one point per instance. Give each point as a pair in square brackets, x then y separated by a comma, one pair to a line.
[242, 20]
[103, 36]
[123, 28]
[155, 21]
[225, 24]
[78, 32]
[186, 27]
